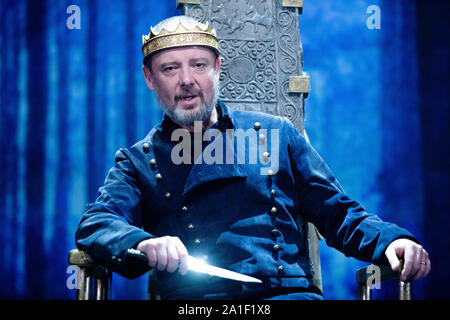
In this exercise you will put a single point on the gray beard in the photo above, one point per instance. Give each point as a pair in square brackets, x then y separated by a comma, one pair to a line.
[188, 120]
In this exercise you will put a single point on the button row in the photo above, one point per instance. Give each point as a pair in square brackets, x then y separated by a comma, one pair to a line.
[168, 195]
[275, 232]
[191, 226]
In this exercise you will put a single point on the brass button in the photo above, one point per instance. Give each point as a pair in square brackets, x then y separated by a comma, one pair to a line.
[168, 195]
[184, 209]
[273, 210]
[197, 241]
[280, 269]
[276, 247]
[257, 125]
[275, 232]
[152, 162]
[262, 139]
[266, 156]
[146, 147]
[270, 172]
[190, 226]
[117, 260]
[273, 192]
[158, 176]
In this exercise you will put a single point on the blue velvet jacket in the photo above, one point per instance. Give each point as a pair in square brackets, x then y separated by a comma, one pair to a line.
[231, 214]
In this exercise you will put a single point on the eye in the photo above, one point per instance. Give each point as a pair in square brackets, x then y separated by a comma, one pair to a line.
[169, 70]
[200, 65]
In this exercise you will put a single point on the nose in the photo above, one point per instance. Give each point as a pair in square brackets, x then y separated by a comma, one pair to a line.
[186, 77]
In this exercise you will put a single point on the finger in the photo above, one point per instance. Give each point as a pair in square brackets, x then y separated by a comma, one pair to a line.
[183, 256]
[417, 256]
[417, 265]
[425, 266]
[421, 273]
[428, 266]
[172, 258]
[151, 257]
[421, 266]
[161, 253]
[409, 258]
[393, 259]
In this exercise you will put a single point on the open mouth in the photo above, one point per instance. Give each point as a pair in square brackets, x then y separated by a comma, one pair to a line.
[187, 98]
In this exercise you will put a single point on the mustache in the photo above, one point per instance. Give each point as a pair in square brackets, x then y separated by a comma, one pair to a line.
[188, 93]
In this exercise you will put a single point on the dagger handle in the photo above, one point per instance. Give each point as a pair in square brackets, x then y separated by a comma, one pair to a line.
[133, 253]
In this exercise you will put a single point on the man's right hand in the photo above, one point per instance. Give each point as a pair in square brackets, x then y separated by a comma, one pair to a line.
[165, 253]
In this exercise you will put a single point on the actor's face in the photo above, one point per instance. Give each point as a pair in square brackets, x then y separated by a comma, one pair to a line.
[186, 82]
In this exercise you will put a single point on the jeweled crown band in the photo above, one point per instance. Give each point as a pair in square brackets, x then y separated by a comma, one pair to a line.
[179, 40]
[179, 31]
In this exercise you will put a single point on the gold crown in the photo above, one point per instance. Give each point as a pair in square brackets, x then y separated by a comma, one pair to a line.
[178, 31]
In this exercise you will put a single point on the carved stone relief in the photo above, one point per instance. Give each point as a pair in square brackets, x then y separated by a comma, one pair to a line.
[260, 48]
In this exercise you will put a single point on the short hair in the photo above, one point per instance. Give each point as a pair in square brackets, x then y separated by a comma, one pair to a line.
[148, 59]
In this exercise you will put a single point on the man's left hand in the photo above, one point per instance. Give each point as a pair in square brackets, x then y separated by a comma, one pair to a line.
[416, 263]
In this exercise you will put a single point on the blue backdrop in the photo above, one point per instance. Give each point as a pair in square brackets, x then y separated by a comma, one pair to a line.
[378, 113]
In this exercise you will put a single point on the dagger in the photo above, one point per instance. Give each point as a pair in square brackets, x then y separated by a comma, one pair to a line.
[197, 265]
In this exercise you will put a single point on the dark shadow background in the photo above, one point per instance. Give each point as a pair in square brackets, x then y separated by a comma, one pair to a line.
[378, 113]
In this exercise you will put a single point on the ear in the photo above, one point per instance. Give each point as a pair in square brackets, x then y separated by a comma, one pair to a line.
[148, 77]
[218, 64]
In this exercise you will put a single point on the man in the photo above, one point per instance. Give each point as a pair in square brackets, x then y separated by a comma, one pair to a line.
[167, 197]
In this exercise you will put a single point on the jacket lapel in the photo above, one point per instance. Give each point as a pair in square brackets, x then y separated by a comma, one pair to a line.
[202, 172]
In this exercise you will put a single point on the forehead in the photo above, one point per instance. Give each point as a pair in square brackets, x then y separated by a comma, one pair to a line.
[183, 54]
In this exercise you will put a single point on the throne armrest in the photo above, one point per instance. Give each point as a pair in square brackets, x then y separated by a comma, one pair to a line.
[372, 275]
[89, 272]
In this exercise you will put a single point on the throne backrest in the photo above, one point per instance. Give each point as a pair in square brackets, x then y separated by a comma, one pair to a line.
[262, 67]
[261, 53]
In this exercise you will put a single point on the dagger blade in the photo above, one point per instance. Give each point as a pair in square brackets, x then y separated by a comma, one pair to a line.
[197, 265]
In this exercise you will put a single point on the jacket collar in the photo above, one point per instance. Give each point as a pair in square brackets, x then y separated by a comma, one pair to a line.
[202, 172]
[225, 115]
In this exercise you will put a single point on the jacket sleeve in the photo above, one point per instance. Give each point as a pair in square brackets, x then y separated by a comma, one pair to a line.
[112, 224]
[344, 223]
